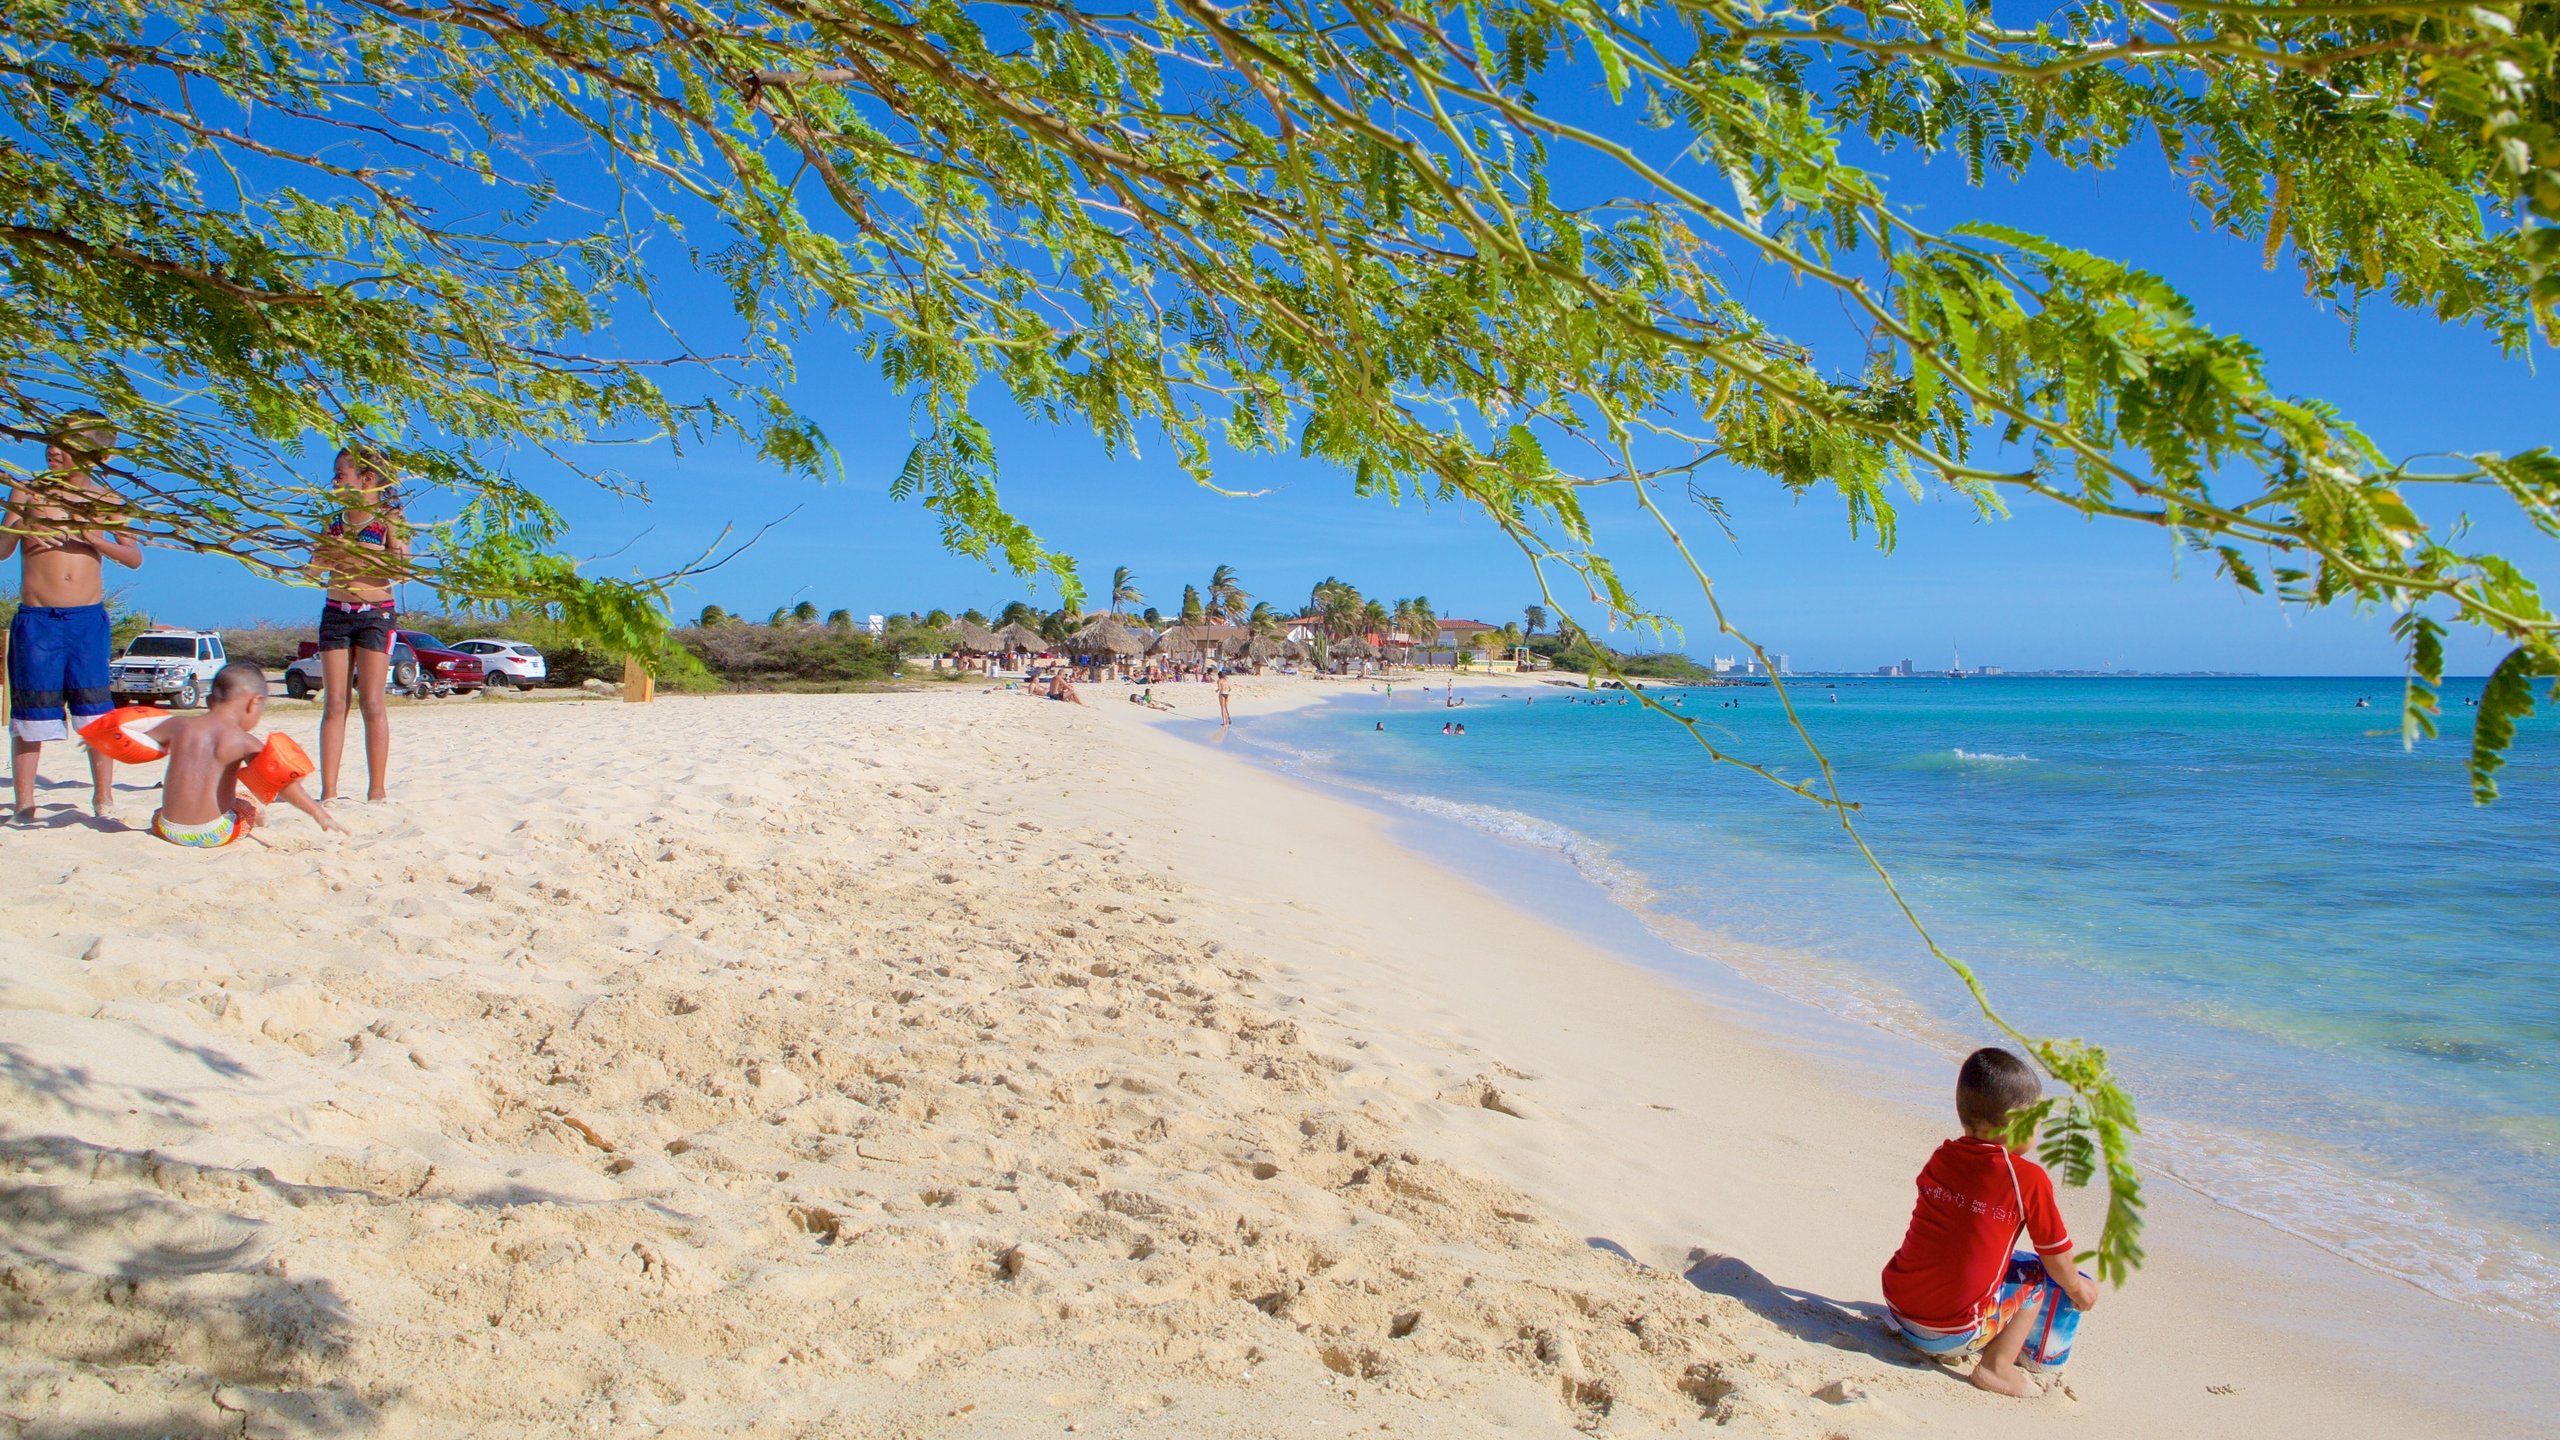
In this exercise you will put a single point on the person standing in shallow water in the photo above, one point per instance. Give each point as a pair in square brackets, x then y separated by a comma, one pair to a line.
[362, 552]
[60, 641]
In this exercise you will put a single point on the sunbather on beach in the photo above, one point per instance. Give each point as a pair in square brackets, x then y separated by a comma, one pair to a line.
[1062, 687]
[1955, 1290]
[202, 803]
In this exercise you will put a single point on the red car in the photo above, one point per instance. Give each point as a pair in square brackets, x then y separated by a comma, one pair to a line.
[443, 666]
[421, 664]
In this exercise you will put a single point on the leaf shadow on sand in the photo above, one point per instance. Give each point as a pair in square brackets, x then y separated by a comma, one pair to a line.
[116, 1275]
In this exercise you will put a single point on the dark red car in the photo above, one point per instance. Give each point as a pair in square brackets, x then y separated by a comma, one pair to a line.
[443, 666]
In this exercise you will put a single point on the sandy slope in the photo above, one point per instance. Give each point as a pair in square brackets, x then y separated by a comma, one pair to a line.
[945, 1064]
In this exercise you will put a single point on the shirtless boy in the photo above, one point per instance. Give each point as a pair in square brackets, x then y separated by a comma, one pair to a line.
[201, 803]
[59, 646]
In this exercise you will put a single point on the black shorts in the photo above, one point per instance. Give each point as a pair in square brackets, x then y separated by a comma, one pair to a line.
[368, 628]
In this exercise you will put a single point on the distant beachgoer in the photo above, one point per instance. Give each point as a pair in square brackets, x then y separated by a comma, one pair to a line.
[60, 641]
[1226, 690]
[359, 620]
[1955, 1290]
[1462, 730]
[1062, 686]
[1447, 726]
[203, 806]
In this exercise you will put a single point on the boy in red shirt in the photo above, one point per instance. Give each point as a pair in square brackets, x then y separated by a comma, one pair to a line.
[1955, 1289]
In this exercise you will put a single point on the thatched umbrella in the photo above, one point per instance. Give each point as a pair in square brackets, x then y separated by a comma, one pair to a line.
[1266, 647]
[1018, 636]
[1106, 636]
[1356, 647]
[974, 636]
[1185, 640]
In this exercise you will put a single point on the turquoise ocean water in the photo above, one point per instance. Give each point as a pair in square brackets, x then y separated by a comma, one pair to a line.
[2333, 982]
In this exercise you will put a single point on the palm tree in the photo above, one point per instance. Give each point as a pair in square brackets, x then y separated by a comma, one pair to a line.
[1152, 616]
[806, 612]
[1425, 617]
[1124, 588]
[1535, 617]
[1019, 613]
[779, 618]
[975, 616]
[1338, 607]
[1263, 623]
[712, 615]
[1226, 594]
[937, 619]
[1057, 625]
[1192, 614]
[1373, 617]
[840, 621]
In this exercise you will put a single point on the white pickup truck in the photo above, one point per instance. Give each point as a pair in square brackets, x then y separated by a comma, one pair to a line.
[169, 666]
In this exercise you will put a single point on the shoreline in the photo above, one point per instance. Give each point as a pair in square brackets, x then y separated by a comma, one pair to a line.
[2267, 1259]
[1821, 1001]
[946, 1064]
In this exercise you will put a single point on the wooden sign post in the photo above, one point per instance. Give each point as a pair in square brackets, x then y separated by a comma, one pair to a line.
[639, 687]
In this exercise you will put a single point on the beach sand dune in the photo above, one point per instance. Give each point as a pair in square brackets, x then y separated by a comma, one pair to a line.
[784, 1074]
[940, 1065]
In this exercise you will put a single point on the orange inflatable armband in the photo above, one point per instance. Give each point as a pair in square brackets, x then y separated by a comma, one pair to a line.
[270, 770]
[108, 737]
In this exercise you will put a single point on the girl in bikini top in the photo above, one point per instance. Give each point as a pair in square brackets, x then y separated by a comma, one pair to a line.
[377, 534]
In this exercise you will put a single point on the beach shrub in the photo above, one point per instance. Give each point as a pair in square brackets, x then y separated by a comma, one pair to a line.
[272, 644]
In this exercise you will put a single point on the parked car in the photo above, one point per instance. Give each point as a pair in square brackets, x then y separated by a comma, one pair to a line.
[508, 662]
[302, 677]
[443, 666]
[172, 666]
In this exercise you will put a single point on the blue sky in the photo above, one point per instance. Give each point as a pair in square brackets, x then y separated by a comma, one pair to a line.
[2043, 588]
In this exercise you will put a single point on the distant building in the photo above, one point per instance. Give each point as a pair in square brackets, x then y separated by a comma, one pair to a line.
[1990, 670]
[1724, 664]
[1886, 670]
[1903, 669]
[1778, 665]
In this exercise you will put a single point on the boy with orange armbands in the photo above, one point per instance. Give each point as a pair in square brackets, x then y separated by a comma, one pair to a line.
[214, 759]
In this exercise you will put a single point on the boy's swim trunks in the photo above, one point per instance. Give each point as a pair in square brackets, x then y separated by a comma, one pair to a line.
[58, 658]
[2048, 1345]
[223, 829]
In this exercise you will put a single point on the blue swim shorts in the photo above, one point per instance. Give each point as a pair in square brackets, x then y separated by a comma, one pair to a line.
[58, 658]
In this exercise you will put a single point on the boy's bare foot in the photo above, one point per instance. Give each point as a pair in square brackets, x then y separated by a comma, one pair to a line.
[2006, 1380]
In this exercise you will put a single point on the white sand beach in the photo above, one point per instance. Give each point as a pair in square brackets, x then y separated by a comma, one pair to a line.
[954, 1064]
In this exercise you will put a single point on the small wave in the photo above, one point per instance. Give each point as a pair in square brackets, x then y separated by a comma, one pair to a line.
[1587, 855]
[1982, 757]
[2371, 1220]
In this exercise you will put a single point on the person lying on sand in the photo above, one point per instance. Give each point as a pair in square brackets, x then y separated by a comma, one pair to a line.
[1147, 697]
[1954, 1290]
[202, 804]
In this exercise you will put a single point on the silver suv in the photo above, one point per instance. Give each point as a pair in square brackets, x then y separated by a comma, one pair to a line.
[172, 666]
